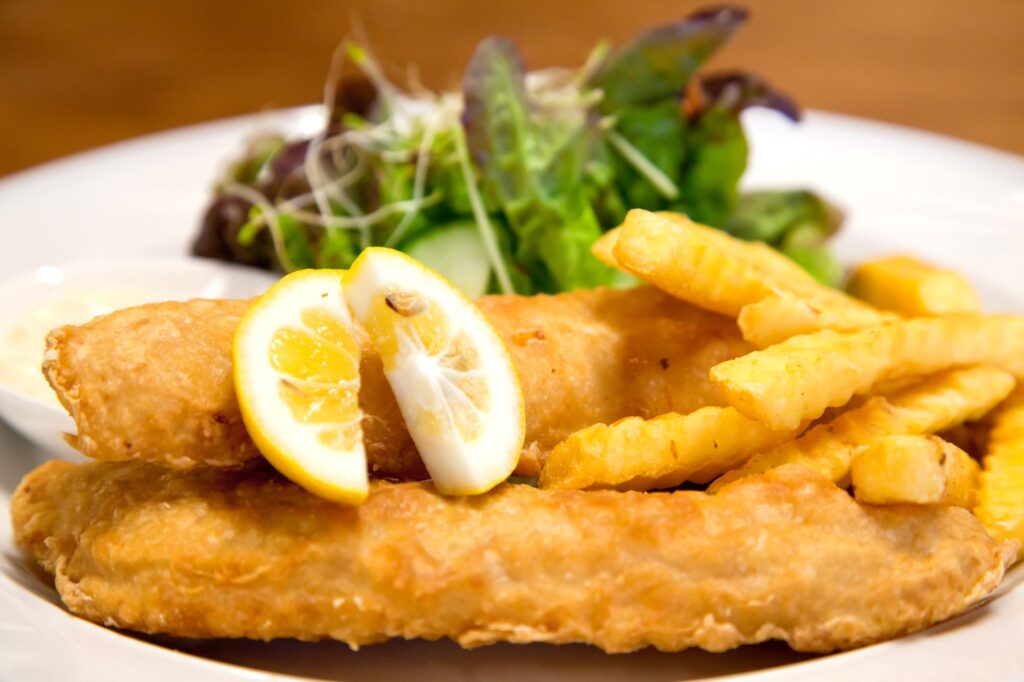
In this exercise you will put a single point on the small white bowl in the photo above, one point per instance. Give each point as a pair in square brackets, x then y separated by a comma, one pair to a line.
[149, 279]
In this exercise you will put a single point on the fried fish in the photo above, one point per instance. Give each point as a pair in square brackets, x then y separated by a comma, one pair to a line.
[245, 553]
[153, 383]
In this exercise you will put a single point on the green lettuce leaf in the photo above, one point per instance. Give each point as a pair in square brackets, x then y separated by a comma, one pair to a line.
[797, 222]
[658, 131]
[297, 243]
[736, 91]
[660, 62]
[818, 261]
[336, 249]
[770, 215]
[716, 156]
[530, 165]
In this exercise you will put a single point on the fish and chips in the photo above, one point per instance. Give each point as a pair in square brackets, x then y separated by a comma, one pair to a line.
[728, 454]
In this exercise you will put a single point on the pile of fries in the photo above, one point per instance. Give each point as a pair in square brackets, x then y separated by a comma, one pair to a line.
[861, 388]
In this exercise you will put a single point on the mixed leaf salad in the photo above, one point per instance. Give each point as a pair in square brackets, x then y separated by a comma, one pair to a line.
[504, 185]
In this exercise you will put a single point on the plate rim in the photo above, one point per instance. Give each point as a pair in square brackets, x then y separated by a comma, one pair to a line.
[253, 123]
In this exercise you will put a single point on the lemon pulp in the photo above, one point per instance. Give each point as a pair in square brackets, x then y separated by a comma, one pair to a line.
[296, 364]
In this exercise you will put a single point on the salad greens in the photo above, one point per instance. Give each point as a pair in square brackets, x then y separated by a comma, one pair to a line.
[519, 172]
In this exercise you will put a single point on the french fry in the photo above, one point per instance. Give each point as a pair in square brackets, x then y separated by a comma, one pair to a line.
[781, 316]
[798, 379]
[639, 454]
[766, 259]
[913, 288]
[913, 470]
[712, 270]
[604, 248]
[934, 404]
[1000, 498]
[686, 264]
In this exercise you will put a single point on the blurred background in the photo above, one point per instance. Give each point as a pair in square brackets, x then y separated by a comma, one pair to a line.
[79, 74]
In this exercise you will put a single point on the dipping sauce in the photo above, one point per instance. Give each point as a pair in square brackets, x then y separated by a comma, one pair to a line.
[23, 339]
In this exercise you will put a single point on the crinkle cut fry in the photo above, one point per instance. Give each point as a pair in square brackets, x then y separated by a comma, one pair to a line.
[912, 287]
[639, 454]
[913, 469]
[800, 378]
[934, 404]
[1000, 497]
[778, 317]
[227, 553]
[713, 270]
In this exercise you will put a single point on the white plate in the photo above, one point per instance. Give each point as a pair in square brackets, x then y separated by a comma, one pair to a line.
[951, 202]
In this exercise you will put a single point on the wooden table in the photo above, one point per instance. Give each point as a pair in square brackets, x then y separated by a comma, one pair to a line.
[78, 74]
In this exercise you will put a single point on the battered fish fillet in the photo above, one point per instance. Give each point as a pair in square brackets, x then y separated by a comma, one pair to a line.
[235, 553]
[153, 383]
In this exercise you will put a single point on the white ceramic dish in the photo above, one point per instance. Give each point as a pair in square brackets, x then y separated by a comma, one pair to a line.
[146, 280]
[951, 202]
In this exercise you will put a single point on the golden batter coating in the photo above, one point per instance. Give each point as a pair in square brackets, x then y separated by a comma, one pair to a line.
[590, 357]
[153, 383]
[228, 553]
[153, 371]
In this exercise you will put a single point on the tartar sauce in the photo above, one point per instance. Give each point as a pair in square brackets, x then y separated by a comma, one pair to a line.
[23, 342]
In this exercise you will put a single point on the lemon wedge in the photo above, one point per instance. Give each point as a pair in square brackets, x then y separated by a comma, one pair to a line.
[451, 374]
[296, 371]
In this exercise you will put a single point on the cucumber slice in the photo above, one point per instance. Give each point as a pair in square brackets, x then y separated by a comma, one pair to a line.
[457, 252]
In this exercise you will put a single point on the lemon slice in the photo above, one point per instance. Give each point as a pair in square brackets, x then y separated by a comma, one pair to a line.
[296, 365]
[450, 372]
